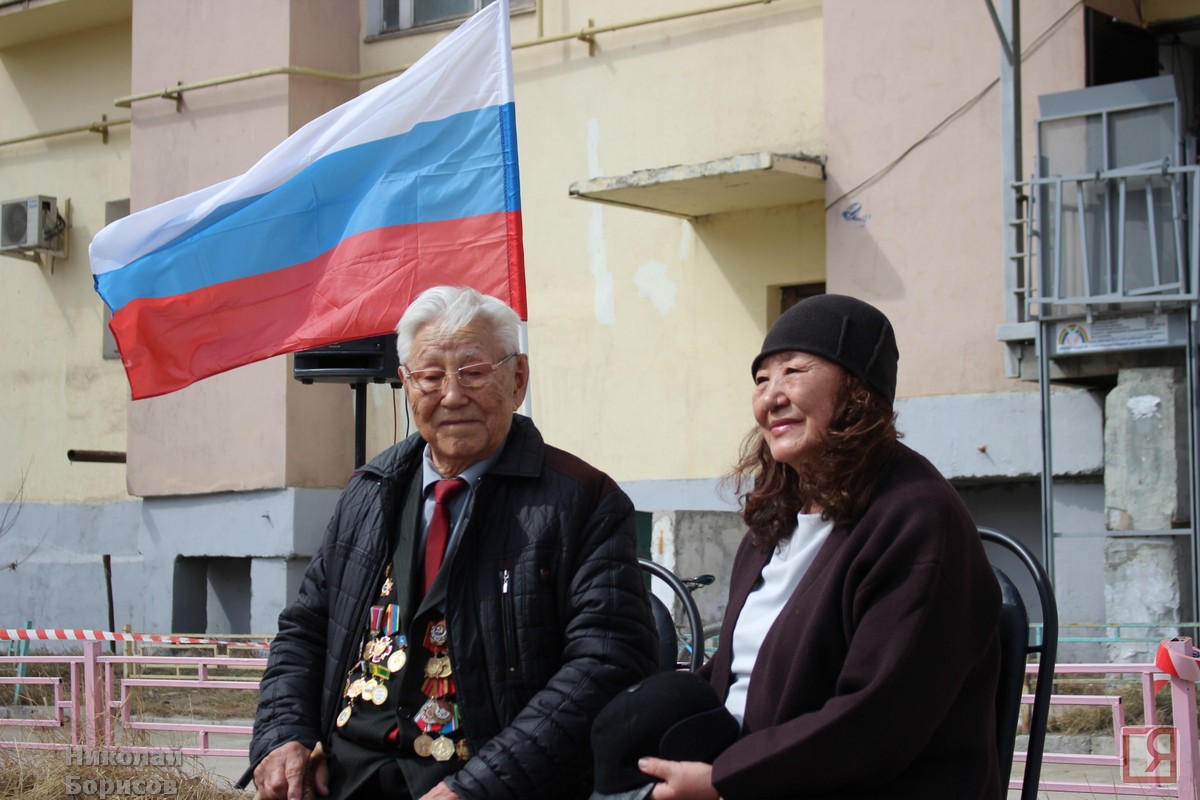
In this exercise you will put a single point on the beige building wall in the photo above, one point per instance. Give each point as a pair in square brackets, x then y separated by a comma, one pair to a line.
[254, 427]
[57, 392]
[642, 325]
[915, 219]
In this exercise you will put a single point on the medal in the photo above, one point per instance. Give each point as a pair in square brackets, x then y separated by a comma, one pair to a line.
[443, 749]
[426, 718]
[368, 688]
[396, 661]
[434, 666]
[343, 717]
[437, 635]
[379, 695]
[423, 745]
[462, 749]
[387, 587]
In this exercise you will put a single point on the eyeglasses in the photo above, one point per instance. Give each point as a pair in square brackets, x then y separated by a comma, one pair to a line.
[472, 376]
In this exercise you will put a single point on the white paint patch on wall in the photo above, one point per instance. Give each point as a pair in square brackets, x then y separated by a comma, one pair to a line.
[605, 307]
[1143, 406]
[654, 283]
[686, 239]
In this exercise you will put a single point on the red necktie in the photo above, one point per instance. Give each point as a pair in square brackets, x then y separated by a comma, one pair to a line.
[439, 527]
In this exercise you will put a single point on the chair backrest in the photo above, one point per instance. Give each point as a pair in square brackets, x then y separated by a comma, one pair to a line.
[1014, 638]
[667, 636]
[1015, 649]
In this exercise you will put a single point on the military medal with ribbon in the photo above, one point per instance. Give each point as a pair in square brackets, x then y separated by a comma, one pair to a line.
[383, 652]
[439, 715]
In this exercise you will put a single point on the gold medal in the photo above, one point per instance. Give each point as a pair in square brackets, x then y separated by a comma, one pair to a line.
[343, 717]
[427, 713]
[396, 661]
[443, 748]
[423, 745]
[379, 695]
[356, 687]
[433, 667]
[445, 670]
[368, 688]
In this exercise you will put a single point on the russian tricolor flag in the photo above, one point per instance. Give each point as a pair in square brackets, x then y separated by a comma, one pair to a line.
[331, 235]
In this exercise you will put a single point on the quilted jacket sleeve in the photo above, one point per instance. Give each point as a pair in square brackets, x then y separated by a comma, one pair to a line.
[289, 706]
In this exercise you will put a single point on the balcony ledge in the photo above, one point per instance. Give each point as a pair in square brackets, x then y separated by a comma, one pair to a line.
[737, 183]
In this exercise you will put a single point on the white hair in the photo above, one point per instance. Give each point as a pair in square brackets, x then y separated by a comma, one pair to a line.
[452, 308]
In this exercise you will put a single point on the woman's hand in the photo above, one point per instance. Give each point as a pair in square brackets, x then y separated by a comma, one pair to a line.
[681, 780]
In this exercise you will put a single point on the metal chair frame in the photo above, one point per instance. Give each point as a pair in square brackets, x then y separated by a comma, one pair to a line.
[695, 625]
[1047, 652]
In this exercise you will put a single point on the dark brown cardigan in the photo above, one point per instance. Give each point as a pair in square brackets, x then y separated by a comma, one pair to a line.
[878, 678]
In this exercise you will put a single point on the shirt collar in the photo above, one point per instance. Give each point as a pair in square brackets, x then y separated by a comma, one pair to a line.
[430, 475]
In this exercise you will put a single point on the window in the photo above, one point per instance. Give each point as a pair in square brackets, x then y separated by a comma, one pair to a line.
[790, 295]
[388, 16]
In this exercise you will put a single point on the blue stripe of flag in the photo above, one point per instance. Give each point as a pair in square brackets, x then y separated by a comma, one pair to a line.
[460, 166]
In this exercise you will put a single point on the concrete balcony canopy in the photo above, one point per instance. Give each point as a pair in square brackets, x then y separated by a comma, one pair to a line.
[736, 183]
[24, 21]
[1147, 13]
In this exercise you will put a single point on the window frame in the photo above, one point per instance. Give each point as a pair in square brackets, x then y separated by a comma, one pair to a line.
[405, 26]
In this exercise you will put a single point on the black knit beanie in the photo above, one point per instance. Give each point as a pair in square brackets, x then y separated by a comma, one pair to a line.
[848, 332]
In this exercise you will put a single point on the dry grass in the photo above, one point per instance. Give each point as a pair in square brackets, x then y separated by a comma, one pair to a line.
[51, 774]
[46, 774]
[1099, 719]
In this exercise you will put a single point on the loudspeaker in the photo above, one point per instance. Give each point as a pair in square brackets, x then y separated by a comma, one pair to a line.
[370, 360]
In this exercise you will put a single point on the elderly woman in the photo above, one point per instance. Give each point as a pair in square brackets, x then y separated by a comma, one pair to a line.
[859, 647]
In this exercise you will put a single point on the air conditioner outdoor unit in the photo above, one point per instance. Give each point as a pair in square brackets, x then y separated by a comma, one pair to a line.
[29, 222]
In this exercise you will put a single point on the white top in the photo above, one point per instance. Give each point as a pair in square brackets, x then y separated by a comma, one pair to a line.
[780, 577]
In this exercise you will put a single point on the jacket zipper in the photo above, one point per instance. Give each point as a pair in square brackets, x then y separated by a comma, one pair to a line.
[508, 622]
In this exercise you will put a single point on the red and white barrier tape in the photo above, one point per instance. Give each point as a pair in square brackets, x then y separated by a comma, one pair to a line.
[1179, 659]
[1185, 665]
[77, 635]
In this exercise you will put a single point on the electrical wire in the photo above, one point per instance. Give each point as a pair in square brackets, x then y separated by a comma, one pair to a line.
[958, 112]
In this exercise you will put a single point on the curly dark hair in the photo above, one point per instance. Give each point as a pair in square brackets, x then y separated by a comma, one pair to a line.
[859, 445]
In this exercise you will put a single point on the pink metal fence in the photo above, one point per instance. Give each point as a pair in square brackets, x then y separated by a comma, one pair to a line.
[93, 710]
[1183, 757]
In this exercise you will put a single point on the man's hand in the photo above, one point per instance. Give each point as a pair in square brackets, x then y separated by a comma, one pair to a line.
[440, 792]
[681, 780]
[289, 770]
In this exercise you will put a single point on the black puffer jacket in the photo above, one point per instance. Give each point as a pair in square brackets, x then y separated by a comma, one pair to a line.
[534, 664]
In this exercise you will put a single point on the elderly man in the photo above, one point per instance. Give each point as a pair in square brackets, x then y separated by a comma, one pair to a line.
[475, 603]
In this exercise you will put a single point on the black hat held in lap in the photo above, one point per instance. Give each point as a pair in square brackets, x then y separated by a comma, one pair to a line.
[853, 334]
[671, 715]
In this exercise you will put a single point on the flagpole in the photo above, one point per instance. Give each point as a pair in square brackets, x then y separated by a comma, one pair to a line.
[523, 346]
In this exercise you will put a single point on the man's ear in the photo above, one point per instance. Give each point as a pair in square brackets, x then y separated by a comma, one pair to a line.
[520, 380]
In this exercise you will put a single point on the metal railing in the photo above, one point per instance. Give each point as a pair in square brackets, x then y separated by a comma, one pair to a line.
[1081, 249]
[91, 704]
[1135, 778]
